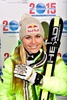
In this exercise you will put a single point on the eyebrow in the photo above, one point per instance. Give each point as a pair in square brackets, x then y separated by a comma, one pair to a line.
[35, 35]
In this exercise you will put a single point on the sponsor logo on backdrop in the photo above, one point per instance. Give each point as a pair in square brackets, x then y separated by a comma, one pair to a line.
[6, 55]
[64, 56]
[0, 43]
[65, 26]
[15, 1]
[41, 9]
[10, 27]
[59, 54]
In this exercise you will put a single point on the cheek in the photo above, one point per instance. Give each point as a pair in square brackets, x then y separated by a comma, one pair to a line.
[40, 42]
[25, 44]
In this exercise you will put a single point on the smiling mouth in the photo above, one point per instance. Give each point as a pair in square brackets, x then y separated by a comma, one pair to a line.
[33, 47]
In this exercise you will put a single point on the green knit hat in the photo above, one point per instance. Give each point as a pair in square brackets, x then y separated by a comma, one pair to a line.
[29, 25]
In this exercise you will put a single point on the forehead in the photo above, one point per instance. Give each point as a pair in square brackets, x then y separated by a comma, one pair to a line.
[33, 34]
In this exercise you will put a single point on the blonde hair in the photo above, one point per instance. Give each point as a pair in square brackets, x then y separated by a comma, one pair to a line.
[22, 53]
[19, 83]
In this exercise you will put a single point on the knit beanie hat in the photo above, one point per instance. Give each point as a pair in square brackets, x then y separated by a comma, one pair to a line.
[29, 25]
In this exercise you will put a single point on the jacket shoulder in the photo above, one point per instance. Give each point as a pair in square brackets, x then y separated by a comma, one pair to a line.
[8, 64]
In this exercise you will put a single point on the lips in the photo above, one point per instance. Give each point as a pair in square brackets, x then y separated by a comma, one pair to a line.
[33, 47]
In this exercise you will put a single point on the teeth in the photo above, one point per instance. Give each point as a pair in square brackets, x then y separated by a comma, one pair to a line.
[33, 47]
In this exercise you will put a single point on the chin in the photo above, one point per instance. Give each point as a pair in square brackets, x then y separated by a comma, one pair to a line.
[34, 51]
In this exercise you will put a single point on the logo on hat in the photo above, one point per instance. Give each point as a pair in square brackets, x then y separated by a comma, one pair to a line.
[32, 28]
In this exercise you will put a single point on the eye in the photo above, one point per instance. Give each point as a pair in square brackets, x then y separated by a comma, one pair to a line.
[28, 37]
[38, 36]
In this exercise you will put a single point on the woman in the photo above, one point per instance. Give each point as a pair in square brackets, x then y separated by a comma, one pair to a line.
[22, 77]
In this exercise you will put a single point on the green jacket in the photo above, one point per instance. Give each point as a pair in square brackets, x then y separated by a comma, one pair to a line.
[56, 84]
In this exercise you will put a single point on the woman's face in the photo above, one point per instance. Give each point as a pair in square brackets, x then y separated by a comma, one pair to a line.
[33, 42]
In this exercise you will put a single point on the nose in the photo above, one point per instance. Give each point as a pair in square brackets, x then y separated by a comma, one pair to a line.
[33, 41]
